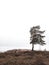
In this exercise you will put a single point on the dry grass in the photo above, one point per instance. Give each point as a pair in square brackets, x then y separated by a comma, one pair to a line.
[24, 57]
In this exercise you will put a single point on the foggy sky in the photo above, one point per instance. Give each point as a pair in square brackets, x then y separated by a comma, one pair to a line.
[16, 19]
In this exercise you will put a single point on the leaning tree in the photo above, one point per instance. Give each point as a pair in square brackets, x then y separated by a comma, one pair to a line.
[36, 36]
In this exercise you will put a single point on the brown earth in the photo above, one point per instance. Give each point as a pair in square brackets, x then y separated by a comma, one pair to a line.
[24, 57]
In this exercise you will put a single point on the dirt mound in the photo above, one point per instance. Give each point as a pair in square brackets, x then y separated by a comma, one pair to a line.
[39, 62]
[24, 57]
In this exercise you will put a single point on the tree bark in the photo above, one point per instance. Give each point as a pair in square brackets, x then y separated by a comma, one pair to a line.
[32, 47]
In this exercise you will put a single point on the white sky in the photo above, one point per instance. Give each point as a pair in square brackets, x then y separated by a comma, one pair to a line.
[16, 19]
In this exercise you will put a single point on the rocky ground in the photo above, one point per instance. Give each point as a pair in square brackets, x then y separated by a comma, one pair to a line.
[24, 57]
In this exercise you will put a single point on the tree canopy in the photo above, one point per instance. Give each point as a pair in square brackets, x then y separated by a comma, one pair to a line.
[36, 36]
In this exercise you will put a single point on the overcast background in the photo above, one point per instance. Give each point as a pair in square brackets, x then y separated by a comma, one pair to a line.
[16, 19]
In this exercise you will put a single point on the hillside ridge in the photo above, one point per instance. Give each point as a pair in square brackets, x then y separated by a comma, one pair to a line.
[24, 57]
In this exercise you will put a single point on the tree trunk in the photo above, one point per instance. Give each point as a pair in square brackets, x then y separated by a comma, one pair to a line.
[32, 47]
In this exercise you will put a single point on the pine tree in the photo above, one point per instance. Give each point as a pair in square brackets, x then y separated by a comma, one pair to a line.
[36, 36]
